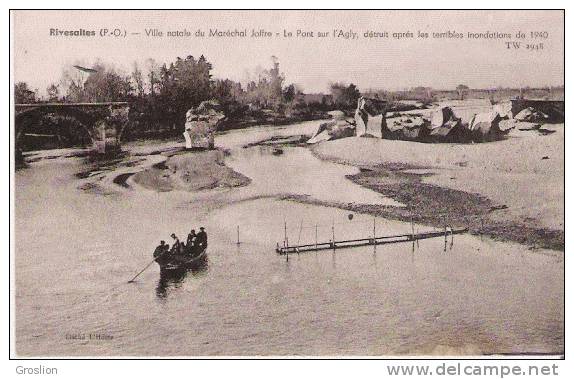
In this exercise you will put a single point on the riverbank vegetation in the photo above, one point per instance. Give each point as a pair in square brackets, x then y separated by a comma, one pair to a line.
[159, 95]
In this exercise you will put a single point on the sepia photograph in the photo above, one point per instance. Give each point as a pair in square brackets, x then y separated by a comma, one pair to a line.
[287, 184]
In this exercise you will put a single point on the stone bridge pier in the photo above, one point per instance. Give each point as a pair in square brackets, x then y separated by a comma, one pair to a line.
[103, 122]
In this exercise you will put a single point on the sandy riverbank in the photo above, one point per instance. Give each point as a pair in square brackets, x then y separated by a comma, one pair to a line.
[511, 189]
[191, 171]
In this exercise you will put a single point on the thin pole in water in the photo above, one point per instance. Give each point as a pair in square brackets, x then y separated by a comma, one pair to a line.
[238, 235]
[138, 274]
[285, 241]
[146, 267]
[412, 226]
[374, 234]
[444, 220]
[316, 233]
[333, 231]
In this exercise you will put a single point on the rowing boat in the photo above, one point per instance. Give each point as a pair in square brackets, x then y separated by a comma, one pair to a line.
[175, 261]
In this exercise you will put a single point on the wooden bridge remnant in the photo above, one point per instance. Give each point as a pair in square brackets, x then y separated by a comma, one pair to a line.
[287, 249]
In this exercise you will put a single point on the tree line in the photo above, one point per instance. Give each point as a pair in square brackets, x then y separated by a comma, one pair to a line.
[160, 94]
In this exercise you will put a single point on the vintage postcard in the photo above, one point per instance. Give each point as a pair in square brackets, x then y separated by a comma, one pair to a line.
[343, 183]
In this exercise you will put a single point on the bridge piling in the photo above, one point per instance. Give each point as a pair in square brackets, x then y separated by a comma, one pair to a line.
[104, 121]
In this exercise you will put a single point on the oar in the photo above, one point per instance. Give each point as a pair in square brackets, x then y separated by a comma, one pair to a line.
[146, 267]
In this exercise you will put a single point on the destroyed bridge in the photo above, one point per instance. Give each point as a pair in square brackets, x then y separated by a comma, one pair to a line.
[104, 122]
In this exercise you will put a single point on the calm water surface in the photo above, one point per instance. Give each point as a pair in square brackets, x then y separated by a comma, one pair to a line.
[75, 251]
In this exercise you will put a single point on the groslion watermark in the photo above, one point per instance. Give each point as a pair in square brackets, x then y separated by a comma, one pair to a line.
[38, 370]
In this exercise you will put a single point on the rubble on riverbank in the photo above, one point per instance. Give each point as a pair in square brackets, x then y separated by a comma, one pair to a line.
[511, 189]
[337, 128]
[201, 124]
[439, 125]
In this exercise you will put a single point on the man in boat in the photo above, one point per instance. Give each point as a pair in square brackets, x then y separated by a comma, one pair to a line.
[191, 238]
[160, 249]
[202, 238]
[191, 242]
[176, 247]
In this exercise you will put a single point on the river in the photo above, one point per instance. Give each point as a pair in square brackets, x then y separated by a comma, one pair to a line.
[76, 250]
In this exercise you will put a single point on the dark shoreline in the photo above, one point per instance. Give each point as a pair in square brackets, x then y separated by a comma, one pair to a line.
[432, 205]
[461, 209]
[228, 125]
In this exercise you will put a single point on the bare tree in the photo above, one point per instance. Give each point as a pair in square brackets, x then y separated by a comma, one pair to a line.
[137, 80]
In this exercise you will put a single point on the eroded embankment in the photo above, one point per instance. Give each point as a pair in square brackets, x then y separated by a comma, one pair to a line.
[432, 204]
[502, 204]
[191, 171]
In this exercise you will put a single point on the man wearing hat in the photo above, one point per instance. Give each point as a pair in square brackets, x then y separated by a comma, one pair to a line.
[202, 238]
[161, 249]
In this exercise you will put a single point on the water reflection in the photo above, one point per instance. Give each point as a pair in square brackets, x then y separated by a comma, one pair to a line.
[170, 279]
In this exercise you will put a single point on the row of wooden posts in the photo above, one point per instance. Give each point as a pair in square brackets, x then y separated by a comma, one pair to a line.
[333, 244]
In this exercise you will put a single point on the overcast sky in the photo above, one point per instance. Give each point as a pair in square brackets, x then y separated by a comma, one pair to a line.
[311, 63]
